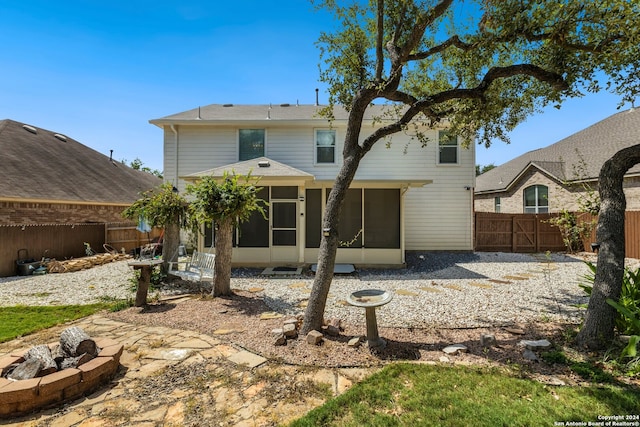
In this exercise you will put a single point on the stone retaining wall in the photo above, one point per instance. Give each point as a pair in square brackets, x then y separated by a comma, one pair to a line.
[20, 397]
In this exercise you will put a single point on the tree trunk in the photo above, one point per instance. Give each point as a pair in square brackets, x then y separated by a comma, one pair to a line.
[170, 243]
[224, 251]
[314, 314]
[598, 328]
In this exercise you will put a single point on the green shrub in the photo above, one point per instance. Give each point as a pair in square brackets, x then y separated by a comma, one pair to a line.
[627, 307]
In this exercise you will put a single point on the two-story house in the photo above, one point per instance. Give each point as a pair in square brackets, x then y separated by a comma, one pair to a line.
[404, 196]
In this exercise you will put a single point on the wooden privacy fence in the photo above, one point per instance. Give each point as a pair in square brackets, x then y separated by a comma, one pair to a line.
[124, 235]
[498, 232]
[64, 241]
[501, 232]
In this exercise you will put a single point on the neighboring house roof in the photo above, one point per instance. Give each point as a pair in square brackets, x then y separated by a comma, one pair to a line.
[48, 166]
[259, 167]
[586, 150]
[230, 113]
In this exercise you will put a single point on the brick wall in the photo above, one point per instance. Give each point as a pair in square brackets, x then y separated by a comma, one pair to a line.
[559, 196]
[18, 213]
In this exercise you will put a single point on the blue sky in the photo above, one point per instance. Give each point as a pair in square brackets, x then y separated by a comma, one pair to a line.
[99, 71]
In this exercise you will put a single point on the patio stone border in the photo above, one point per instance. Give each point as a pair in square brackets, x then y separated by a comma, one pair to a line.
[21, 397]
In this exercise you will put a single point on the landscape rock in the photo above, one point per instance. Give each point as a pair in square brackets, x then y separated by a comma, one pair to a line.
[455, 349]
[488, 340]
[277, 332]
[289, 330]
[332, 330]
[555, 381]
[335, 322]
[291, 321]
[535, 345]
[354, 342]
[314, 337]
[529, 355]
[280, 340]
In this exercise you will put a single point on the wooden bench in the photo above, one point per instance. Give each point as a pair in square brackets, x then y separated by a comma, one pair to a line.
[198, 267]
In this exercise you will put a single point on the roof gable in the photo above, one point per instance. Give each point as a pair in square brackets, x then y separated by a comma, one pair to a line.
[48, 166]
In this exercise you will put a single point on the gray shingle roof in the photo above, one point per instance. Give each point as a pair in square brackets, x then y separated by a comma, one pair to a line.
[595, 145]
[228, 113]
[274, 169]
[50, 166]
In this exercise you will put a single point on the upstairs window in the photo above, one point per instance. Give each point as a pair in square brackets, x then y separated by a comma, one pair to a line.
[536, 199]
[325, 146]
[251, 143]
[447, 148]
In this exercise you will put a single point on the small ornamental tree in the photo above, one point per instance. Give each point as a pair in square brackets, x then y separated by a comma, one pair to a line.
[162, 207]
[223, 203]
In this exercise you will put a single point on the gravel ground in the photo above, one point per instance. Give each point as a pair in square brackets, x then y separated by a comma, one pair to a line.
[436, 289]
[448, 290]
[80, 287]
[439, 299]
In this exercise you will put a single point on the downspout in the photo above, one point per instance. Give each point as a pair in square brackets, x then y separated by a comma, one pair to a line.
[174, 129]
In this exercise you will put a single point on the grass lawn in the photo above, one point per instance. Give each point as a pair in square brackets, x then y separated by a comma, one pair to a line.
[426, 395]
[23, 320]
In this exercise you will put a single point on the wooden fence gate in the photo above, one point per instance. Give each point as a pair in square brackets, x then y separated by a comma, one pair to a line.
[497, 232]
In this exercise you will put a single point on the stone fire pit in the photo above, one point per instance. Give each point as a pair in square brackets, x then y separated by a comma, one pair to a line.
[23, 396]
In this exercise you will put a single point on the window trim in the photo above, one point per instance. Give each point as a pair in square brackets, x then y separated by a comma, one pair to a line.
[536, 207]
[315, 147]
[264, 150]
[438, 159]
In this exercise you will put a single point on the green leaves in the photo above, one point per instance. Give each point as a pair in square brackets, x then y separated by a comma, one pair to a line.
[441, 56]
[160, 206]
[232, 197]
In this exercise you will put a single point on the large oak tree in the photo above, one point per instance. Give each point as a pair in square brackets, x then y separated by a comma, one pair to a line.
[483, 66]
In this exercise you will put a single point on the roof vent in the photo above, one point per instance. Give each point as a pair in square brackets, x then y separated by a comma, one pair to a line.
[284, 105]
[264, 163]
[30, 129]
[60, 137]
[227, 105]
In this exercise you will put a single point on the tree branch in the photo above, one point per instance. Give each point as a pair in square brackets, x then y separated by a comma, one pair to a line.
[379, 41]
[425, 106]
[452, 41]
[531, 37]
[555, 80]
[423, 21]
